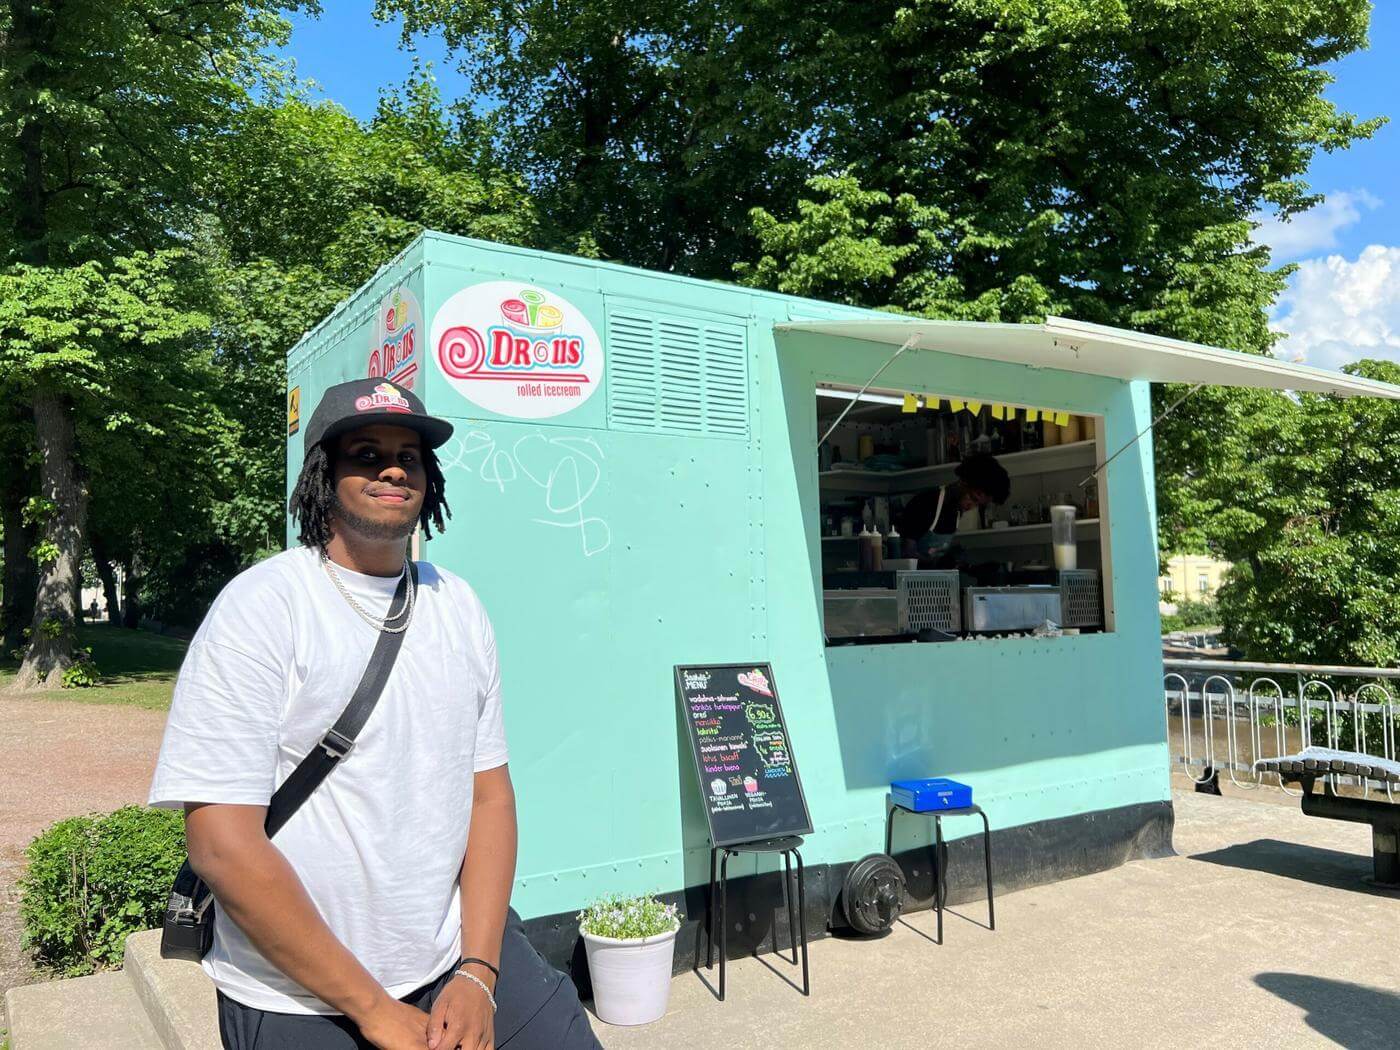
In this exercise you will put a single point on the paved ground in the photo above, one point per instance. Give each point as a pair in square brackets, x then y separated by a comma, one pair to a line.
[1191, 950]
[59, 758]
[1260, 933]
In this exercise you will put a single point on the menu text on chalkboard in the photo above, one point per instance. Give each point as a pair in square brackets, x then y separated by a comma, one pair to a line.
[743, 754]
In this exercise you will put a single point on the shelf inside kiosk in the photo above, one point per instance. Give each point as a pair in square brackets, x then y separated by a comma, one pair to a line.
[1031, 563]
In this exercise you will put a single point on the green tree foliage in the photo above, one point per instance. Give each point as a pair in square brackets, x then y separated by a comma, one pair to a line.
[993, 160]
[104, 105]
[648, 129]
[104, 355]
[1305, 501]
[298, 183]
[302, 203]
[128, 130]
[104, 109]
[1091, 146]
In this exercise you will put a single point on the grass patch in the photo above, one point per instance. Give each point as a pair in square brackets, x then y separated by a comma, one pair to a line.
[137, 668]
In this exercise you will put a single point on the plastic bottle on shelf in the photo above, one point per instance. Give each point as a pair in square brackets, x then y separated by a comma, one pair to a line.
[894, 544]
[865, 554]
[1031, 436]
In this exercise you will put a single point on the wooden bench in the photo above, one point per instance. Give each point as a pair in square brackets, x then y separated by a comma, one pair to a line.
[1317, 763]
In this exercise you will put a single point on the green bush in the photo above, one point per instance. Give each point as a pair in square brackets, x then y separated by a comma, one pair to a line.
[1191, 614]
[92, 880]
[82, 672]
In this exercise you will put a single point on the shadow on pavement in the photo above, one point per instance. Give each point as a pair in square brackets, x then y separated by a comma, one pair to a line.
[1294, 860]
[1351, 1015]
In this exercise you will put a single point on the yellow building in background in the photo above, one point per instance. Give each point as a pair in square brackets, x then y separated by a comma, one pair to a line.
[1192, 577]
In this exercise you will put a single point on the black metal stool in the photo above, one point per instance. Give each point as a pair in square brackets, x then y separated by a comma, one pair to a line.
[797, 925]
[940, 853]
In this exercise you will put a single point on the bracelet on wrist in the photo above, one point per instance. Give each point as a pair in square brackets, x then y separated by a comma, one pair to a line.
[495, 973]
[480, 984]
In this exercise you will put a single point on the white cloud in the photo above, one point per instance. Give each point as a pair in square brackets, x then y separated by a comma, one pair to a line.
[1336, 310]
[1315, 230]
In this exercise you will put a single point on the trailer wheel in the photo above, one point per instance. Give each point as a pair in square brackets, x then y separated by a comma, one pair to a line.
[872, 895]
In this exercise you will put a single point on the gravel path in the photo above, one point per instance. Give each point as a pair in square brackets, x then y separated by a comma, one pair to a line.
[59, 758]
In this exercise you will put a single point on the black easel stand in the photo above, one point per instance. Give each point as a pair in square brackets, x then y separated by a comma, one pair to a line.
[940, 853]
[797, 924]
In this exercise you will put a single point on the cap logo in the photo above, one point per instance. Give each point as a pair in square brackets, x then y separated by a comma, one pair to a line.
[385, 398]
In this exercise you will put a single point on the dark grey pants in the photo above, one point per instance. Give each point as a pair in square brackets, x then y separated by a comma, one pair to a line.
[537, 1009]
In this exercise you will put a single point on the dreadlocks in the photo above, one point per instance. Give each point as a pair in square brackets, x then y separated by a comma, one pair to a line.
[313, 500]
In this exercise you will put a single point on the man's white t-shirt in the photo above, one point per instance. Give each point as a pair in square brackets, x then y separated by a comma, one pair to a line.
[379, 845]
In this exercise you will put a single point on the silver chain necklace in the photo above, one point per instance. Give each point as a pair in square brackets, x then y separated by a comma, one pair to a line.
[379, 623]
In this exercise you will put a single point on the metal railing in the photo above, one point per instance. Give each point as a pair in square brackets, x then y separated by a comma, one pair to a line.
[1224, 715]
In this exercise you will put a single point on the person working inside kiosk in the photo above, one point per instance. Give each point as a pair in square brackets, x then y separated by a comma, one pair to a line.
[929, 521]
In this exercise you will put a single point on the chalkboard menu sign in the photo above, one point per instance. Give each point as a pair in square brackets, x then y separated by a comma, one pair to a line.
[748, 776]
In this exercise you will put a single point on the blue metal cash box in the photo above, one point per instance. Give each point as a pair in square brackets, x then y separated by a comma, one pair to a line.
[924, 796]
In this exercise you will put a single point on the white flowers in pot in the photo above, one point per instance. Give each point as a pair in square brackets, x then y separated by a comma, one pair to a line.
[630, 943]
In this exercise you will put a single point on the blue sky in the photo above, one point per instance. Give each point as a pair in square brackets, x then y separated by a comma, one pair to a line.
[1341, 305]
[351, 56]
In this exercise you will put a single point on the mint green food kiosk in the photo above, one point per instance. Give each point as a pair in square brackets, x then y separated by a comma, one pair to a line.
[636, 483]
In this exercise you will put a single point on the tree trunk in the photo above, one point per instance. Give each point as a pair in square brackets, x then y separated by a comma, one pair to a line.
[131, 583]
[19, 579]
[55, 609]
[32, 33]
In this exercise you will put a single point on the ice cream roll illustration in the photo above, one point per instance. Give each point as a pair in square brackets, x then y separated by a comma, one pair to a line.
[757, 681]
[533, 301]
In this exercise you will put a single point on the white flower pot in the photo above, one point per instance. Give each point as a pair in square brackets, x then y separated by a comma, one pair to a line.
[631, 977]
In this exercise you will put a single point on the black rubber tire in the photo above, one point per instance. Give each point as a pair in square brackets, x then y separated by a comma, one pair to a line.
[872, 895]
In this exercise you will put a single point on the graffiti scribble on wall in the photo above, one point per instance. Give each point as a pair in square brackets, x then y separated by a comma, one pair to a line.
[567, 471]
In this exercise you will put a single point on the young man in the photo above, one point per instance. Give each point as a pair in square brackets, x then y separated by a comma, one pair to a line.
[929, 522]
[378, 915]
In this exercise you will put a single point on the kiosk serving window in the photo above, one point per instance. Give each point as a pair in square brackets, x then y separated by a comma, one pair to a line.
[943, 519]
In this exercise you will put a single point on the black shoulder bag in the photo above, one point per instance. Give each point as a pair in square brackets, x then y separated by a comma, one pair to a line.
[188, 930]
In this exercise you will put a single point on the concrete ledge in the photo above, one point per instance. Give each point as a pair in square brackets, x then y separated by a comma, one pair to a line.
[177, 996]
[100, 1012]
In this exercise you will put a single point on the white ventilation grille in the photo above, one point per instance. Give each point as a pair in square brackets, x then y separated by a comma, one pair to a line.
[929, 599]
[1081, 599]
[676, 375]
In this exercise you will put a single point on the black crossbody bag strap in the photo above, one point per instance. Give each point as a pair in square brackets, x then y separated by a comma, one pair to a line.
[340, 738]
[188, 930]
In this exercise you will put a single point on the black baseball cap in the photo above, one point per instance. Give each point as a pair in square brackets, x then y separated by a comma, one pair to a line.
[368, 402]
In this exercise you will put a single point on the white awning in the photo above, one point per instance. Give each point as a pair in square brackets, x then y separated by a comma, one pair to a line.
[1077, 346]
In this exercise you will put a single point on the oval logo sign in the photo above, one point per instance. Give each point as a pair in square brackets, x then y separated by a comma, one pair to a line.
[517, 350]
[394, 338]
